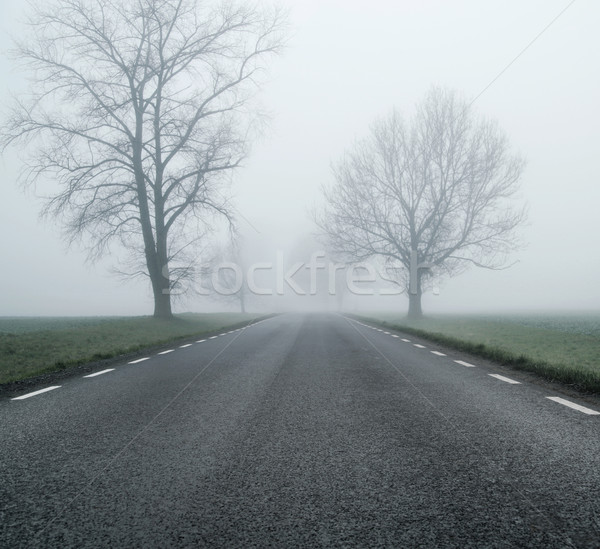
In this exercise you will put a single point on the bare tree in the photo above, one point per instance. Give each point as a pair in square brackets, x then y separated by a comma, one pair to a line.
[435, 195]
[140, 111]
[227, 274]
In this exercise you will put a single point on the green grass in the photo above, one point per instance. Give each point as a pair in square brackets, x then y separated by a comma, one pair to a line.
[561, 348]
[33, 346]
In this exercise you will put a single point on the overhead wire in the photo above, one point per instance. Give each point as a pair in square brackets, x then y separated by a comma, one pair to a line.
[537, 36]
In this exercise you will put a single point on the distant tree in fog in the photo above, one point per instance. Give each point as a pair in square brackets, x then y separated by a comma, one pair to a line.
[430, 196]
[140, 110]
[226, 276]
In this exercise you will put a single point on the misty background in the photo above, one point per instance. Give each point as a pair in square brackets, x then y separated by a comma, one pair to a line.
[347, 64]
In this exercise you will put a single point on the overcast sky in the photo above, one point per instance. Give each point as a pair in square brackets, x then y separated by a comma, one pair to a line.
[348, 63]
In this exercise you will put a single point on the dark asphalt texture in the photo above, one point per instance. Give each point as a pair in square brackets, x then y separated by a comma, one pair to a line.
[299, 431]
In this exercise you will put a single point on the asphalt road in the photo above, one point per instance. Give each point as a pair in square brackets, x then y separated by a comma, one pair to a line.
[300, 431]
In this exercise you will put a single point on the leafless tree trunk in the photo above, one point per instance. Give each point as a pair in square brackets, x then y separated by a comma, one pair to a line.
[432, 196]
[139, 110]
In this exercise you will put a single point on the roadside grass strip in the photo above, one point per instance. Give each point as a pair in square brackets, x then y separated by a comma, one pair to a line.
[463, 363]
[139, 360]
[579, 408]
[100, 373]
[505, 379]
[35, 393]
[31, 347]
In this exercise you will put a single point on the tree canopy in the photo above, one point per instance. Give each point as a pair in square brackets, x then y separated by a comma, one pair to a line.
[435, 194]
[140, 110]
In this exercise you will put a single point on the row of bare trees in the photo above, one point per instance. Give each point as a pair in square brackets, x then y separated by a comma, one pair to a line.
[140, 110]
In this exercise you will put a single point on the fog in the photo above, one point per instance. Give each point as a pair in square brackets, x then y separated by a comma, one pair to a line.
[346, 64]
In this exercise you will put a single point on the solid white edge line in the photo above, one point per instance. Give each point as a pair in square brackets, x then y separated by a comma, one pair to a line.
[505, 379]
[438, 353]
[463, 363]
[35, 393]
[100, 373]
[166, 352]
[139, 360]
[186, 345]
[577, 407]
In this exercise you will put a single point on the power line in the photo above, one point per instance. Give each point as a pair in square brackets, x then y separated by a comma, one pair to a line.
[247, 220]
[522, 52]
[484, 89]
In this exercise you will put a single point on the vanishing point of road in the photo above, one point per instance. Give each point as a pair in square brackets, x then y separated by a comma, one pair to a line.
[302, 430]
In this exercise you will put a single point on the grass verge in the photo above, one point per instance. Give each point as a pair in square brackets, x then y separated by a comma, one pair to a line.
[556, 355]
[34, 346]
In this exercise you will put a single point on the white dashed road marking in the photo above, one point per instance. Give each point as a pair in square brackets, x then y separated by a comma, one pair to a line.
[139, 360]
[577, 407]
[559, 400]
[463, 363]
[505, 379]
[100, 373]
[28, 395]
